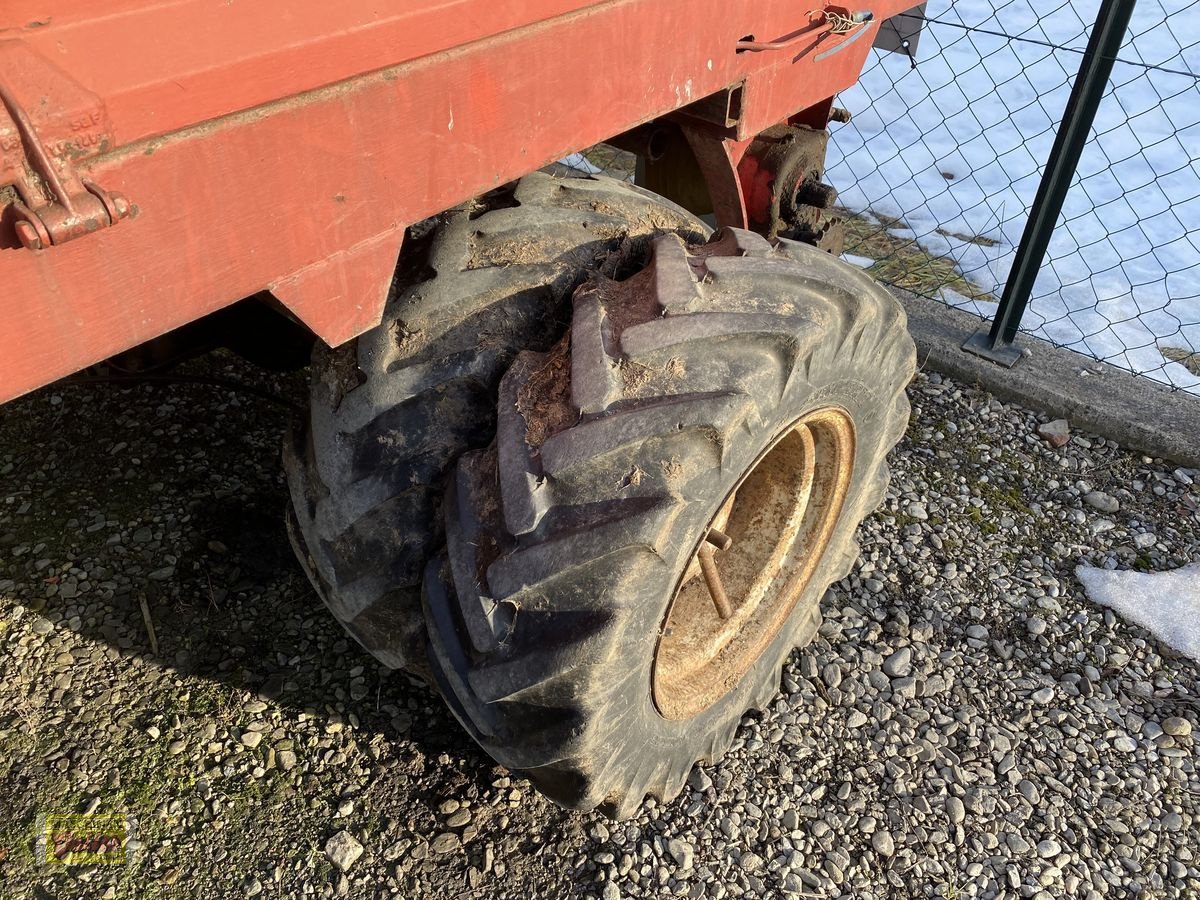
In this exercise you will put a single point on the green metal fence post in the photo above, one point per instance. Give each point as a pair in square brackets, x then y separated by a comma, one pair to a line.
[1112, 21]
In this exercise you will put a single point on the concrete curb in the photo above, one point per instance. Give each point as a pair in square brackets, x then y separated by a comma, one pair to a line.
[1136, 412]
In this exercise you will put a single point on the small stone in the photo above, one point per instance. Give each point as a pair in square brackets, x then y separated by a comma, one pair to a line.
[856, 719]
[1144, 540]
[251, 886]
[918, 511]
[883, 844]
[343, 850]
[1177, 726]
[682, 852]
[1042, 696]
[272, 688]
[1048, 848]
[1106, 503]
[1056, 433]
[153, 732]
[1035, 625]
[1125, 744]
[610, 892]
[251, 739]
[955, 811]
[459, 818]
[176, 747]
[899, 664]
[449, 806]
[1016, 843]
[286, 760]
[832, 675]
[1030, 791]
[446, 842]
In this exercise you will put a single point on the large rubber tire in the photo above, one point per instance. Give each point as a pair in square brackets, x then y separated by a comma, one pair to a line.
[392, 410]
[567, 538]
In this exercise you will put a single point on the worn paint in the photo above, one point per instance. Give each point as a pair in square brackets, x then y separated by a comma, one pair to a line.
[227, 122]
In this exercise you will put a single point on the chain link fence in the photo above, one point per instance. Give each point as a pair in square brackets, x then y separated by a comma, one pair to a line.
[939, 167]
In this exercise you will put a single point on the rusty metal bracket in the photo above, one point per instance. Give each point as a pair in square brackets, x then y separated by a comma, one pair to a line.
[782, 176]
[721, 112]
[54, 204]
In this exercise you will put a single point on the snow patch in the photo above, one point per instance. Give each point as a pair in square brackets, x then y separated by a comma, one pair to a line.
[954, 148]
[1165, 603]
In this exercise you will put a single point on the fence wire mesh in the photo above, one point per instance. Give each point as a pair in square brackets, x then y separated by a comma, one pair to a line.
[940, 164]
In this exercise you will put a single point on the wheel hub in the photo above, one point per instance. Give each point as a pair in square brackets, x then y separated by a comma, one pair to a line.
[756, 557]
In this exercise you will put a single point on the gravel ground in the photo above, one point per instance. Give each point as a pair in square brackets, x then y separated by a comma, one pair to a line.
[967, 725]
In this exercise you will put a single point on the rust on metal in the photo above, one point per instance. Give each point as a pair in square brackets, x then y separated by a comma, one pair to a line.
[721, 111]
[55, 204]
[259, 141]
[830, 20]
[781, 176]
[712, 580]
[788, 43]
[775, 525]
[719, 539]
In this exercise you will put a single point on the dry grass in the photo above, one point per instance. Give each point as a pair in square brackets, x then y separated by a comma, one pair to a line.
[1189, 359]
[613, 162]
[904, 263]
[899, 261]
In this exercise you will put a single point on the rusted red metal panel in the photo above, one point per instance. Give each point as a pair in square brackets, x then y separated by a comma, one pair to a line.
[169, 64]
[308, 193]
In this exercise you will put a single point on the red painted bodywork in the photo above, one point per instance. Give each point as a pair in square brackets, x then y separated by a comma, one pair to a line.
[286, 144]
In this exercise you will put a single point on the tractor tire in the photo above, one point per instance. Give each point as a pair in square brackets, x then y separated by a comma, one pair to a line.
[743, 390]
[392, 410]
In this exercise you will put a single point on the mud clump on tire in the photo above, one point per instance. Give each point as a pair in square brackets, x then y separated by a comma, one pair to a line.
[392, 410]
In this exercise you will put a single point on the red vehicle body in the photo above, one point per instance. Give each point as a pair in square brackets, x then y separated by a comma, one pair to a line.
[162, 160]
[524, 512]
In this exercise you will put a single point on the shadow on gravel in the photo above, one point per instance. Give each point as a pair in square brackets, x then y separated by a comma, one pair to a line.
[257, 728]
[173, 494]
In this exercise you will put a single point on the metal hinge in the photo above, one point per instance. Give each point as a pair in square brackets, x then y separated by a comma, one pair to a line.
[53, 204]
